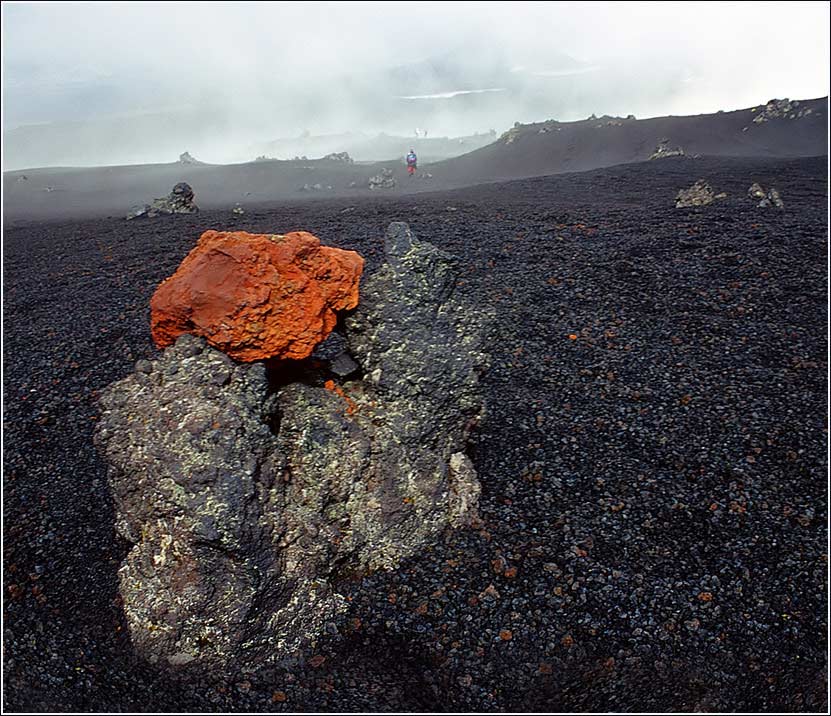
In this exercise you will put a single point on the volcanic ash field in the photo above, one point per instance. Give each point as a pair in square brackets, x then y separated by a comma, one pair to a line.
[652, 515]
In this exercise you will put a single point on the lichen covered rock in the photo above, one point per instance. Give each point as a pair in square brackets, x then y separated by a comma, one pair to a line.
[664, 151]
[767, 198]
[257, 296]
[179, 201]
[699, 194]
[384, 180]
[193, 473]
[242, 506]
[781, 109]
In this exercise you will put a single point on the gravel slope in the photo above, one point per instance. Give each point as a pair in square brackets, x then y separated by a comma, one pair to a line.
[54, 193]
[551, 147]
[654, 490]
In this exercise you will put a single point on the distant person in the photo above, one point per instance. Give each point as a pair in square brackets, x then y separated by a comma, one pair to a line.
[412, 163]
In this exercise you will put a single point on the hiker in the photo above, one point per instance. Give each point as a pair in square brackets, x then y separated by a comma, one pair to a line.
[412, 161]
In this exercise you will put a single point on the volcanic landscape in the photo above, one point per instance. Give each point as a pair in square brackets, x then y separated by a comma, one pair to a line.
[653, 458]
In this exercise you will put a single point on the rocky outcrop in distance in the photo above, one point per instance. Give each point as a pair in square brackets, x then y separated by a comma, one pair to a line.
[664, 151]
[179, 201]
[782, 109]
[342, 157]
[765, 198]
[186, 158]
[384, 180]
[699, 194]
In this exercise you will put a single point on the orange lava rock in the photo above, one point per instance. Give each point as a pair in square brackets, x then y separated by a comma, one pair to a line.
[257, 296]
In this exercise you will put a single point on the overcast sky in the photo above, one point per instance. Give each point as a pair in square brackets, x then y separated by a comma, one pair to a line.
[747, 50]
[252, 57]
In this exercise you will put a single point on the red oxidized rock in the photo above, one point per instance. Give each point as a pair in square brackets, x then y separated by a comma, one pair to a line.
[257, 296]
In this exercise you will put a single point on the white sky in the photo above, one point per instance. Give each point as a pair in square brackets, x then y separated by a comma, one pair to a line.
[723, 55]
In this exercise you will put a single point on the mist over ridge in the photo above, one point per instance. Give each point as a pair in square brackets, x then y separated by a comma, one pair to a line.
[131, 84]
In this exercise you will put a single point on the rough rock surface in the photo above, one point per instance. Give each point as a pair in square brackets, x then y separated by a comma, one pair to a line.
[186, 158]
[241, 519]
[384, 180]
[257, 296]
[510, 135]
[339, 157]
[699, 194]
[423, 332]
[663, 151]
[198, 506]
[782, 109]
[767, 198]
[179, 201]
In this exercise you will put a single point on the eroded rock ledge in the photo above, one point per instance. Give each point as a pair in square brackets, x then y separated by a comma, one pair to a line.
[243, 506]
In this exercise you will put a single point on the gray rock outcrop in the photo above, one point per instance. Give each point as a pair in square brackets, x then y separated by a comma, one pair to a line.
[767, 198]
[186, 158]
[782, 109]
[193, 473]
[342, 157]
[663, 151]
[384, 180]
[699, 194]
[179, 201]
[242, 506]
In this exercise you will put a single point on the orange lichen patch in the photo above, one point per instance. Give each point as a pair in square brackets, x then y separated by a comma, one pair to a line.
[351, 406]
[705, 596]
[257, 296]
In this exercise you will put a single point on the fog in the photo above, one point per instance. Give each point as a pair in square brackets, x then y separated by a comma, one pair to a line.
[96, 83]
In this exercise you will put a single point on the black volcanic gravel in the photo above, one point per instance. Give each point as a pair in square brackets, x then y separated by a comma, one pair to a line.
[654, 488]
